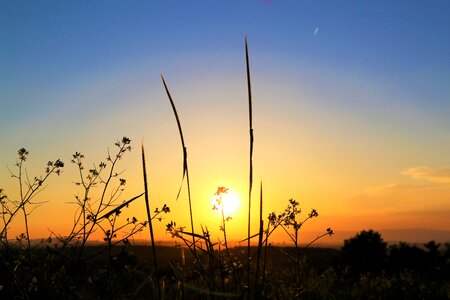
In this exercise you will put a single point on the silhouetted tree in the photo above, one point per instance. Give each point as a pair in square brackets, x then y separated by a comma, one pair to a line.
[366, 252]
[435, 259]
[404, 256]
[446, 256]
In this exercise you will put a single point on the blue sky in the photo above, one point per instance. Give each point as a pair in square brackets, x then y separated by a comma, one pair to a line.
[64, 41]
[53, 42]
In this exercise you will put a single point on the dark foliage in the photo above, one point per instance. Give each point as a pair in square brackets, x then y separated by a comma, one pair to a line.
[368, 269]
[366, 252]
[409, 272]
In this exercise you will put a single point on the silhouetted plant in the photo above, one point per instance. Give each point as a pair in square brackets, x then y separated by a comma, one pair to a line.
[28, 189]
[230, 263]
[101, 211]
[290, 222]
[53, 269]
[209, 264]
[19, 261]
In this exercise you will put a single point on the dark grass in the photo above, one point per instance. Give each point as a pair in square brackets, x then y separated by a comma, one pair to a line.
[325, 276]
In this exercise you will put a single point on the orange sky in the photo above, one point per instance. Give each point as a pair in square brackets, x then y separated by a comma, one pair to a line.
[355, 183]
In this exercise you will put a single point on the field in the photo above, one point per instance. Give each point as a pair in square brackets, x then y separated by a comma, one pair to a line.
[128, 273]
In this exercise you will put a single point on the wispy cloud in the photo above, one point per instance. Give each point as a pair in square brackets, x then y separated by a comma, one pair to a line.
[441, 175]
[427, 212]
[401, 197]
[401, 206]
[316, 31]
[423, 203]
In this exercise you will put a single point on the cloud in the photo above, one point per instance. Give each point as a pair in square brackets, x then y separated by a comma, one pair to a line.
[401, 197]
[427, 212]
[424, 203]
[400, 206]
[441, 175]
[394, 187]
[316, 31]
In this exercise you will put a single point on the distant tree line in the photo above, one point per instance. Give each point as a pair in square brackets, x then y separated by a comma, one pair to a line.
[367, 252]
[366, 267]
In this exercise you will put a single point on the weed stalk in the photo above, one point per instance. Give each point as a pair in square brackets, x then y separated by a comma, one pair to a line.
[250, 118]
[147, 205]
[260, 240]
[185, 165]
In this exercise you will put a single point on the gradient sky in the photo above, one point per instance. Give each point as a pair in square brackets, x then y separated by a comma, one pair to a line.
[351, 104]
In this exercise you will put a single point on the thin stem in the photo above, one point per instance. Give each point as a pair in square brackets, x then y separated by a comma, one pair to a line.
[250, 118]
[226, 243]
[25, 200]
[97, 212]
[185, 163]
[261, 229]
[23, 208]
[265, 255]
[147, 206]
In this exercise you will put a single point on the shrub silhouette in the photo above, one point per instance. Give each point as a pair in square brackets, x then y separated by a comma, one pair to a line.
[366, 252]
[404, 256]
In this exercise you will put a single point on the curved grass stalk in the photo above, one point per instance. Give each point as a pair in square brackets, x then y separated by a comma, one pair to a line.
[185, 164]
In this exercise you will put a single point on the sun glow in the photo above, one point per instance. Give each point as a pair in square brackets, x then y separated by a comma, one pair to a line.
[225, 200]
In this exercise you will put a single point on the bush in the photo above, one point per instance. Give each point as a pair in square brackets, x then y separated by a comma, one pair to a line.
[366, 252]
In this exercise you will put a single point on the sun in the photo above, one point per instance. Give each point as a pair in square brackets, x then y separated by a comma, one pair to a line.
[225, 200]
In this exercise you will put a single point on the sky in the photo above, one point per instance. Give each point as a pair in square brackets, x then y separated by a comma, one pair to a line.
[350, 100]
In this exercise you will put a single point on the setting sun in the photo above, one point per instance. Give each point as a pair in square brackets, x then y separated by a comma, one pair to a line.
[225, 200]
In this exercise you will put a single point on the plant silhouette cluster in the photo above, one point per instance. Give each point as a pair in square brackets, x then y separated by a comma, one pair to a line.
[65, 266]
[69, 266]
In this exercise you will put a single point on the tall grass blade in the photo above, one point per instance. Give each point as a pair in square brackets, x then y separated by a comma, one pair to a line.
[118, 208]
[266, 241]
[147, 205]
[181, 135]
[250, 119]
[246, 239]
[185, 162]
[260, 241]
